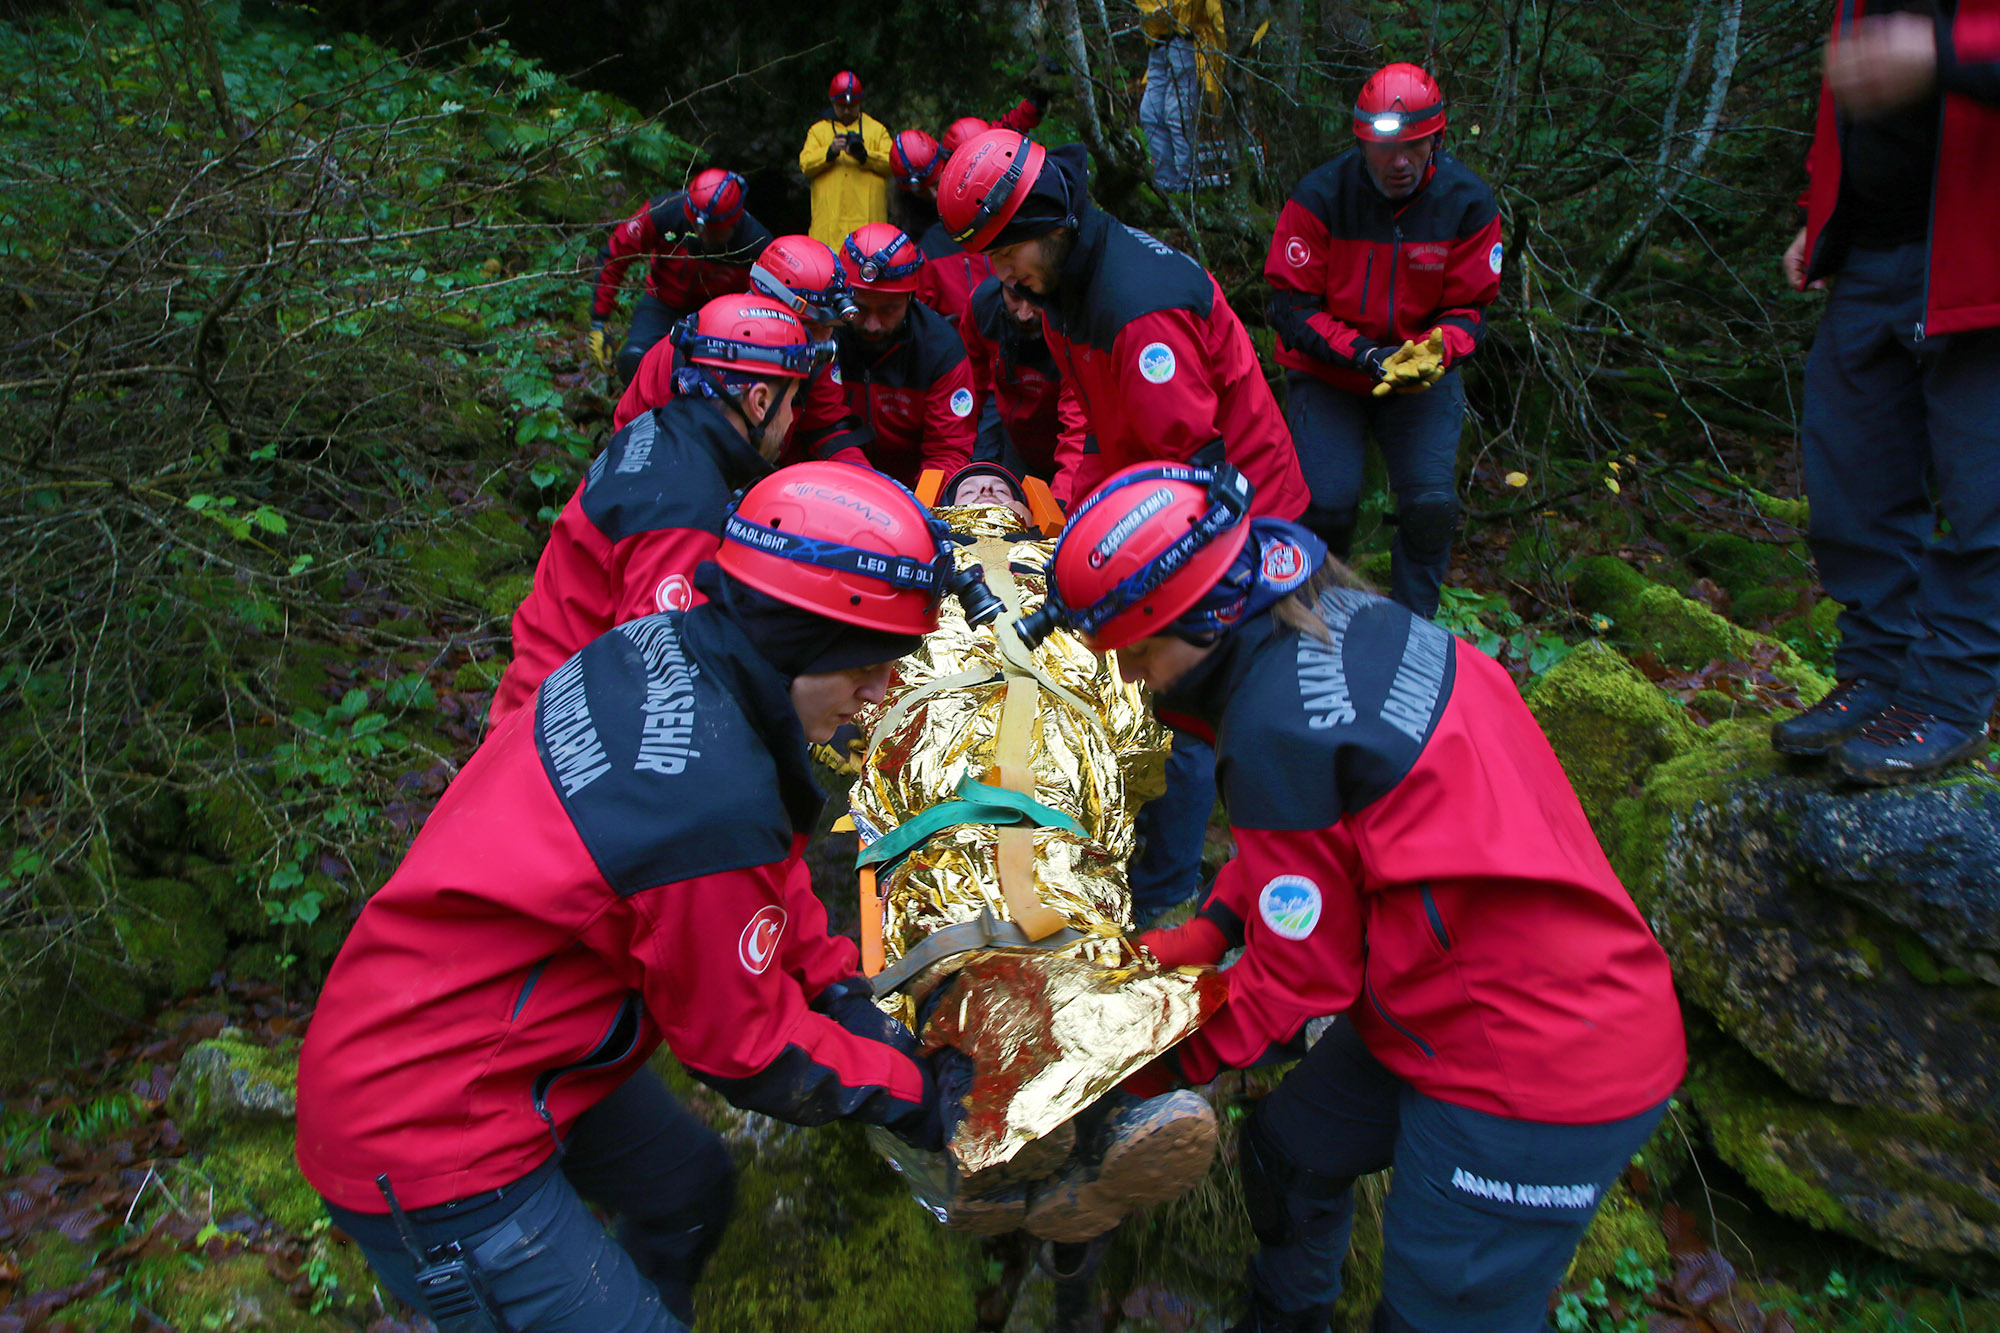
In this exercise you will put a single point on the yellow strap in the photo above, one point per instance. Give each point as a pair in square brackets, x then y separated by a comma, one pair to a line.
[929, 482]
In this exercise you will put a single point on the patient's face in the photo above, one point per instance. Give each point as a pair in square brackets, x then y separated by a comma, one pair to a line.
[1159, 660]
[989, 491]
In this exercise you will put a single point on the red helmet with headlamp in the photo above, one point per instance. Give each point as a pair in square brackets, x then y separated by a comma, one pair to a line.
[715, 199]
[804, 276]
[880, 257]
[913, 160]
[985, 183]
[1399, 102]
[844, 89]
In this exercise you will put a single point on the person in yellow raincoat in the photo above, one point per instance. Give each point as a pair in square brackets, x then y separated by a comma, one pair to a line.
[846, 158]
[1187, 47]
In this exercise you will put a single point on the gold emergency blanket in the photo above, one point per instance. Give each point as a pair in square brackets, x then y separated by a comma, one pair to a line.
[1048, 1030]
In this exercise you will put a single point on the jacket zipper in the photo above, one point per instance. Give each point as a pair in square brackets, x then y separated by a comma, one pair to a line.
[616, 1044]
[1395, 262]
[1930, 229]
[1367, 277]
[1389, 1018]
[1437, 921]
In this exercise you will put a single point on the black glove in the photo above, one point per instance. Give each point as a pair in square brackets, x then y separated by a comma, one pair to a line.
[856, 148]
[1372, 359]
[850, 1003]
[833, 150]
[1038, 98]
[947, 1079]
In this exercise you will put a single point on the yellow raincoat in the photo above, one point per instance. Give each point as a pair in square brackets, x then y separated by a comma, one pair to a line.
[846, 194]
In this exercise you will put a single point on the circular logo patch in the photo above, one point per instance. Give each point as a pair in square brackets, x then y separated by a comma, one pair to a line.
[675, 593]
[758, 944]
[961, 403]
[1297, 253]
[833, 372]
[1156, 362]
[1290, 906]
[1283, 562]
[1493, 257]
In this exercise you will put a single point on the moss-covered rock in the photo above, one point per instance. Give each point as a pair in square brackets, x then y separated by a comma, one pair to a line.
[235, 1100]
[1921, 1188]
[168, 932]
[487, 563]
[1621, 1224]
[1763, 578]
[234, 1292]
[1607, 724]
[1682, 633]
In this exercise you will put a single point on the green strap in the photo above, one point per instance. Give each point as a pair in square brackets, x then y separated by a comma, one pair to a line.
[977, 803]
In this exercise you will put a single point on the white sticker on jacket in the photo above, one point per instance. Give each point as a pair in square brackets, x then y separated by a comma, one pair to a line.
[833, 372]
[1290, 906]
[1493, 257]
[961, 403]
[758, 944]
[1156, 362]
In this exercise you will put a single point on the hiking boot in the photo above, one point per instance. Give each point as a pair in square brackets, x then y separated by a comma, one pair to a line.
[1078, 1308]
[992, 1214]
[1904, 745]
[1153, 1151]
[1845, 710]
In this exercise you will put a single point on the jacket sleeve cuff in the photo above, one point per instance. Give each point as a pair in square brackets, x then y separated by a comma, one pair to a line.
[1977, 79]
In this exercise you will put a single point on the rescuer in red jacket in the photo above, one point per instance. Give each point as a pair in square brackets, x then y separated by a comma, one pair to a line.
[1381, 265]
[1410, 857]
[1901, 416]
[803, 276]
[1015, 379]
[650, 507]
[1154, 363]
[616, 869]
[949, 273]
[902, 366]
[698, 244]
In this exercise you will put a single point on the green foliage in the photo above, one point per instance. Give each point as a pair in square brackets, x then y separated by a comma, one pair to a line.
[1490, 625]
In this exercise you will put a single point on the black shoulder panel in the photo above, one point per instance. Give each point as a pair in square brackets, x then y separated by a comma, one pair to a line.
[662, 775]
[1315, 731]
[1138, 275]
[1464, 203]
[938, 345]
[1341, 196]
[987, 308]
[656, 473]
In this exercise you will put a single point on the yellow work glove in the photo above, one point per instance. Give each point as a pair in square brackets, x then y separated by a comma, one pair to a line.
[843, 753]
[1414, 366]
[600, 350]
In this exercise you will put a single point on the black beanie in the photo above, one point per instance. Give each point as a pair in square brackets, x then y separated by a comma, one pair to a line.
[1057, 199]
[796, 641]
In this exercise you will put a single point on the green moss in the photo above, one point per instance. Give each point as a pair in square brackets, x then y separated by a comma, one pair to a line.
[253, 1168]
[169, 932]
[49, 1259]
[1620, 1224]
[826, 1240]
[1607, 724]
[229, 823]
[236, 1291]
[1682, 633]
[483, 675]
[1373, 567]
[486, 562]
[1728, 753]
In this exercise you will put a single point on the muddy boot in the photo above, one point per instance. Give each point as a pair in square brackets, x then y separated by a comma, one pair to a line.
[1074, 1268]
[1148, 1152]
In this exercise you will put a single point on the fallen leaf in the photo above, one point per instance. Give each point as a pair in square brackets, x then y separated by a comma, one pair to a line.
[1701, 1276]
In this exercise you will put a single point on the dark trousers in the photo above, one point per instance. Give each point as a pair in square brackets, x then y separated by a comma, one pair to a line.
[1898, 428]
[1166, 866]
[651, 321]
[1471, 1239]
[1418, 436]
[548, 1263]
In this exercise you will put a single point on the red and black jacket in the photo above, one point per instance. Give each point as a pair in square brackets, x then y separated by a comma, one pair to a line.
[949, 275]
[626, 545]
[1012, 369]
[1353, 271]
[616, 869]
[1155, 365]
[1962, 285]
[1410, 854]
[683, 273]
[910, 398]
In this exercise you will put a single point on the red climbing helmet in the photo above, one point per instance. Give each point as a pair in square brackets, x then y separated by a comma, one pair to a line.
[914, 159]
[841, 541]
[1147, 545]
[1398, 102]
[845, 88]
[804, 276]
[880, 257]
[750, 336]
[715, 199]
[985, 183]
[962, 132]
